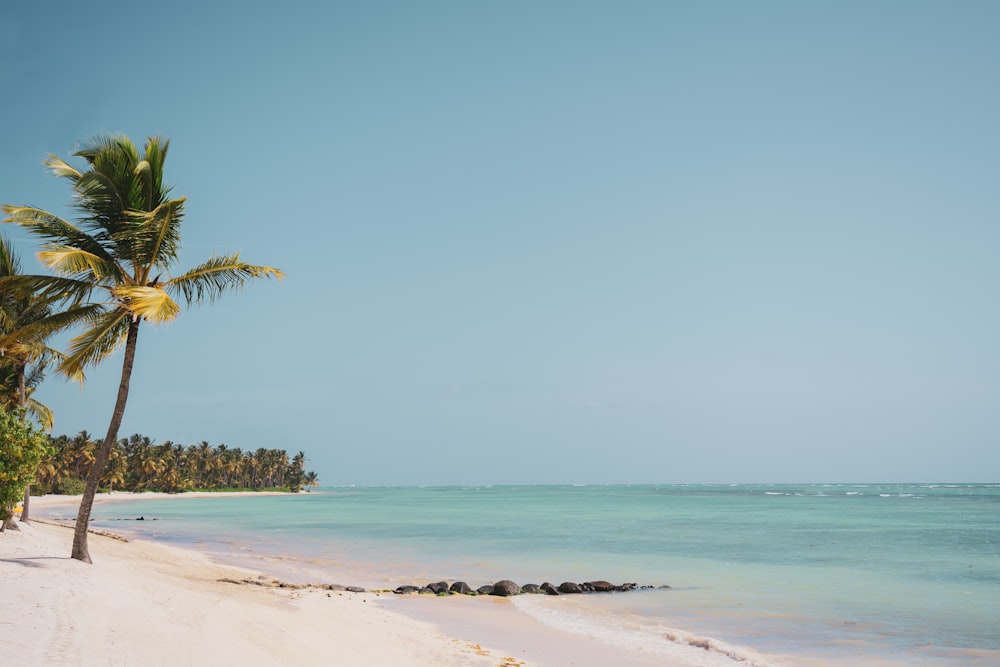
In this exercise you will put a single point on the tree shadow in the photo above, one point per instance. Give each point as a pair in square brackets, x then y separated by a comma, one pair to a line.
[29, 561]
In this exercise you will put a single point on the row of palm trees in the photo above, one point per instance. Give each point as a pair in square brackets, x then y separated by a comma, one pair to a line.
[138, 464]
[112, 268]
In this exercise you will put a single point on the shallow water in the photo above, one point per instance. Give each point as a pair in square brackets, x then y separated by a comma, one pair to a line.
[904, 574]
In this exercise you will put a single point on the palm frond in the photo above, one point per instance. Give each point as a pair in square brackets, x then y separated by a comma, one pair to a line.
[105, 333]
[29, 350]
[216, 276]
[98, 196]
[154, 237]
[7, 320]
[62, 168]
[71, 261]
[50, 289]
[156, 154]
[30, 337]
[10, 265]
[150, 303]
[91, 147]
[53, 228]
[29, 311]
[42, 413]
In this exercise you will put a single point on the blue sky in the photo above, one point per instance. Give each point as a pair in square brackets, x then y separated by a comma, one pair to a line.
[568, 242]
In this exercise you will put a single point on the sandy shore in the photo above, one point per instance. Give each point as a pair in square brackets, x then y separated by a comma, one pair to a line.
[142, 603]
[147, 603]
[52, 500]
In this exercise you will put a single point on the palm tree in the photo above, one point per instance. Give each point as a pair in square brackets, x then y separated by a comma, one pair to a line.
[124, 249]
[22, 362]
[311, 479]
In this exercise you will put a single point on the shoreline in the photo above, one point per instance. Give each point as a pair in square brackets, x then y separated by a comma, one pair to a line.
[55, 499]
[722, 611]
[475, 630]
[169, 606]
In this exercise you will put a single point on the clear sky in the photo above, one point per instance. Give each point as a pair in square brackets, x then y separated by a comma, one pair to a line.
[568, 242]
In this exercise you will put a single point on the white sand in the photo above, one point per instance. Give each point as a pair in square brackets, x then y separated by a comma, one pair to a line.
[147, 604]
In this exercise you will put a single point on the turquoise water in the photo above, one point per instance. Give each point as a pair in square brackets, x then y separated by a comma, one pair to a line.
[840, 574]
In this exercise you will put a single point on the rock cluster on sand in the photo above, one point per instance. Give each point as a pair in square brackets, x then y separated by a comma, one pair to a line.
[507, 588]
[503, 588]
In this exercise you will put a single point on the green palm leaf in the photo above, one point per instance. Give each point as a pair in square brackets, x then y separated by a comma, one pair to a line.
[154, 237]
[32, 335]
[216, 276]
[53, 228]
[104, 334]
[50, 289]
[42, 413]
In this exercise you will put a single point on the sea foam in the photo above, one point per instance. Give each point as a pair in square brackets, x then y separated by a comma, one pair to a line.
[636, 636]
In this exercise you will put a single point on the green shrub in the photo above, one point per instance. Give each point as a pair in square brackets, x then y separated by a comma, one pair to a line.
[70, 486]
[21, 449]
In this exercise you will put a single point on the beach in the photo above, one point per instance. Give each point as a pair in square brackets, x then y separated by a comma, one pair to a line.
[146, 603]
[149, 604]
[766, 575]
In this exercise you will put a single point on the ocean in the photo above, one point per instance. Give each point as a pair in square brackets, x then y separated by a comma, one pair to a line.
[819, 574]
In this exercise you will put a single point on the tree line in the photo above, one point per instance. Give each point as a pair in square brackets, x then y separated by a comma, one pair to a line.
[138, 464]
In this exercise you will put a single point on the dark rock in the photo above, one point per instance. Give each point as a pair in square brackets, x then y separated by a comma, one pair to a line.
[425, 590]
[664, 587]
[335, 587]
[461, 588]
[505, 588]
[626, 587]
[531, 588]
[355, 589]
[438, 587]
[404, 590]
[485, 590]
[569, 587]
[599, 586]
[549, 589]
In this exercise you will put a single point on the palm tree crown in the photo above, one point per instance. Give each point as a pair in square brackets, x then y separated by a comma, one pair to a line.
[124, 246]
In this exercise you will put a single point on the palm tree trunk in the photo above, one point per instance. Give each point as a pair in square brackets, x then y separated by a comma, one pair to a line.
[80, 551]
[27, 501]
[22, 401]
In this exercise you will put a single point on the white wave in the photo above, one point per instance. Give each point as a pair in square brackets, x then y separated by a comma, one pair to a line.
[637, 636]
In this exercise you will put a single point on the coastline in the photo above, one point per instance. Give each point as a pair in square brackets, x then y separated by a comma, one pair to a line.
[167, 606]
[730, 611]
[153, 586]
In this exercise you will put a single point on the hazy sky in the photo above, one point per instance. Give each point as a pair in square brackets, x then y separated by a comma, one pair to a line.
[546, 241]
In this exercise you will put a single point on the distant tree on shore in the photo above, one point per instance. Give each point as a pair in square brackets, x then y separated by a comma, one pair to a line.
[124, 249]
[137, 464]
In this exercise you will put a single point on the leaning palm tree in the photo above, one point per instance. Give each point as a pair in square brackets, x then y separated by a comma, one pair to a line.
[123, 249]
